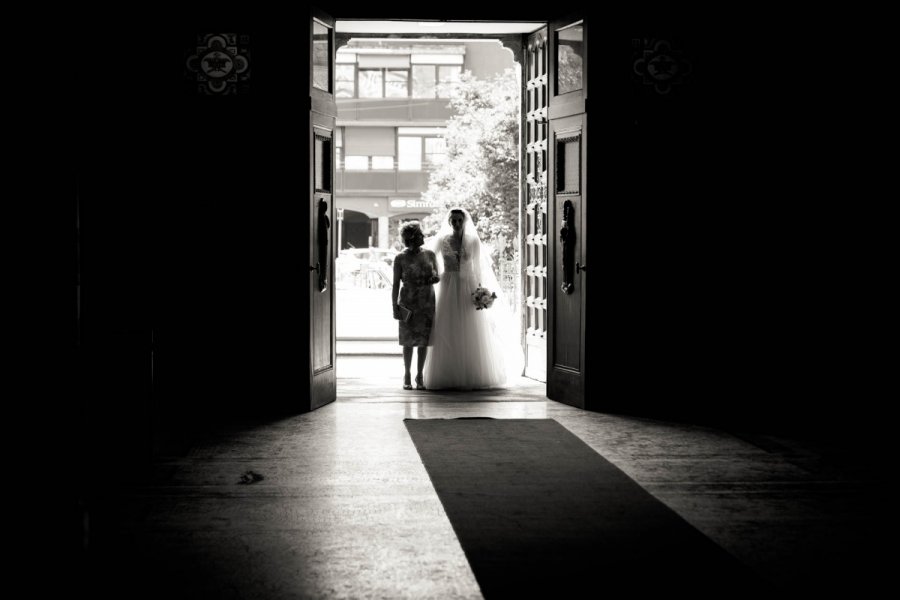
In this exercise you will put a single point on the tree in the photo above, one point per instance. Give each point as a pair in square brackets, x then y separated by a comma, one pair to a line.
[481, 169]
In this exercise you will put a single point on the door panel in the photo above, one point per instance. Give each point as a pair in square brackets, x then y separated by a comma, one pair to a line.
[567, 243]
[321, 251]
[568, 58]
[535, 205]
[322, 217]
[568, 294]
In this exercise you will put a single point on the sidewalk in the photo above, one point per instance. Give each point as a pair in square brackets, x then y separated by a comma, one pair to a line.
[353, 347]
[364, 314]
[365, 327]
[371, 369]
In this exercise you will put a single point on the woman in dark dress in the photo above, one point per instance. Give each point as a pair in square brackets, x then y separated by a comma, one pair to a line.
[417, 269]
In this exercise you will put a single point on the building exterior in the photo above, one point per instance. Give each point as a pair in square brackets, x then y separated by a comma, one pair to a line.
[393, 100]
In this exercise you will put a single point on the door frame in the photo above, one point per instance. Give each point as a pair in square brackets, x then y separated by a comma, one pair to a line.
[459, 14]
[322, 115]
[567, 116]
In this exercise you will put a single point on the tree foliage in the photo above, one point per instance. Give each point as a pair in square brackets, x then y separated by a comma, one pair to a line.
[481, 170]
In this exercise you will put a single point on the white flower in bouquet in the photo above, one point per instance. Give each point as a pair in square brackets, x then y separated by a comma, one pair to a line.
[483, 298]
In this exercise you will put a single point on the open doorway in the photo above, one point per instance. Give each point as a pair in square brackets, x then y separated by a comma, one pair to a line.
[414, 102]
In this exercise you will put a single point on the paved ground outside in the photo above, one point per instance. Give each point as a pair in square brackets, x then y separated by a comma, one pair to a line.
[366, 334]
[371, 368]
[364, 314]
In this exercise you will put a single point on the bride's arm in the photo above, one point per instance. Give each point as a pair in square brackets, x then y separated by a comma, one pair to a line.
[475, 258]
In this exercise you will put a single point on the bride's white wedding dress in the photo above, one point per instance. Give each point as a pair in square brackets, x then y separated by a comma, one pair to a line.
[468, 346]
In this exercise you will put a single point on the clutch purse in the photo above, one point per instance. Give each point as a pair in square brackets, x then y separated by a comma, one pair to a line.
[405, 313]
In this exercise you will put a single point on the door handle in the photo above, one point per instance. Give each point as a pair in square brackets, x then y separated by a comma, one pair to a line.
[322, 241]
[567, 239]
[315, 268]
[580, 267]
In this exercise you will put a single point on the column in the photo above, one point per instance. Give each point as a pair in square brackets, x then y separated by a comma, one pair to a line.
[384, 238]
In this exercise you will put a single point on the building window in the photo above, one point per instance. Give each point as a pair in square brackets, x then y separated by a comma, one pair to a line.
[344, 81]
[435, 81]
[383, 162]
[371, 83]
[436, 75]
[448, 78]
[364, 163]
[410, 153]
[356, 163]
[338, 146]
[420, 146]
[382, 83]
[389, 75]
[396, 84]
[435, 151]
[424, 80]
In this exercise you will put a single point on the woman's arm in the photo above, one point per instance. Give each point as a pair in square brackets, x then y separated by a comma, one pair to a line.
[436, 256]
[432, 259]
[395, 290]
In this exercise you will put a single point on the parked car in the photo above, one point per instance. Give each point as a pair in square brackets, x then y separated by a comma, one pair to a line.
[365, 267]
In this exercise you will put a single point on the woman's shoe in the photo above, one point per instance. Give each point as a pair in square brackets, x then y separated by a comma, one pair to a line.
[420, 383]
[406, 384]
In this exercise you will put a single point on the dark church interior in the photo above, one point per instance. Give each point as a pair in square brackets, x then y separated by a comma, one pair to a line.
[728, 436]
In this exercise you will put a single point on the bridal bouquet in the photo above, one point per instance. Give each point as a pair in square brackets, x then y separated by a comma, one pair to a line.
[483, 298]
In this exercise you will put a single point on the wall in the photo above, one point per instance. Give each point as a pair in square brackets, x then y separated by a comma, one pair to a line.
[735, 293]
[485, 59]
[193, 218]
[721, 293]
[727, 286]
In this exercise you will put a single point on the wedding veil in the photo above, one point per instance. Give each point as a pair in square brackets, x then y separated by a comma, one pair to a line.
[476, 266]
[475, 258]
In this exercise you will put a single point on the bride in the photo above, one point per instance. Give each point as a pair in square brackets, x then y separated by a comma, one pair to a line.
[470, 348]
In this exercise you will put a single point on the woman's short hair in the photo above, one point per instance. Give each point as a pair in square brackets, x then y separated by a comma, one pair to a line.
[408, 232]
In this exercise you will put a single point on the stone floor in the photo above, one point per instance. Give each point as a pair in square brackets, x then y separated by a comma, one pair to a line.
[345, 508]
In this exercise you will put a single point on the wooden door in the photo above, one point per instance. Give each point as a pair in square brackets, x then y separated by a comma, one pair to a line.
[322, 114]
[568, 200]
[535, 218]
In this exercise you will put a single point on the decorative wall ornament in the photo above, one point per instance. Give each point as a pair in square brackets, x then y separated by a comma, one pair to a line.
[220, 64]
[658, 63]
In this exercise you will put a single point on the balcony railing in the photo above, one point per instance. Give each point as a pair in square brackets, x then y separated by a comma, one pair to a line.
[393, 180]
[394, 109]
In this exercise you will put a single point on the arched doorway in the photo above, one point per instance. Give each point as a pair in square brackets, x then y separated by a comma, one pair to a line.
[395, 106]
[356, 229]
